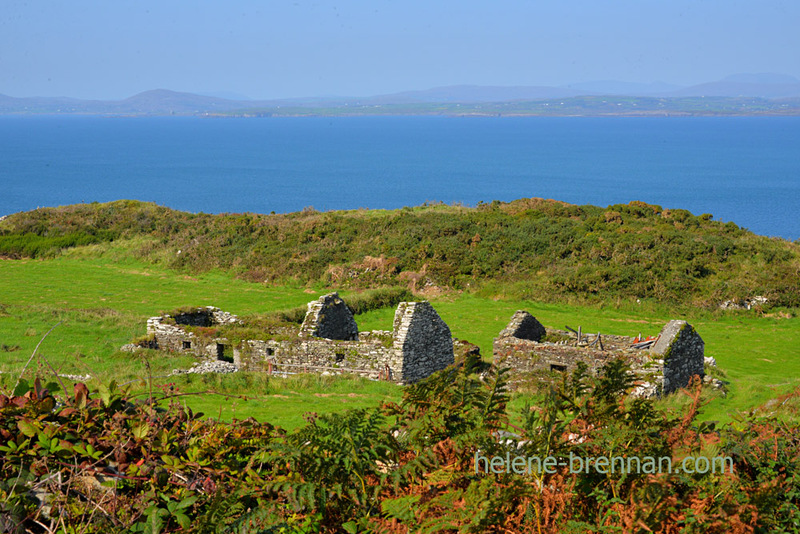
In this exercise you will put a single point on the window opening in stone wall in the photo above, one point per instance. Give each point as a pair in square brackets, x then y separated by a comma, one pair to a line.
[187, 345]
[339, 356]
[559, 368]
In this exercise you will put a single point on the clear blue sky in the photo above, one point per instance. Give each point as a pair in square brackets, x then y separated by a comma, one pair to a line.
[274, 48]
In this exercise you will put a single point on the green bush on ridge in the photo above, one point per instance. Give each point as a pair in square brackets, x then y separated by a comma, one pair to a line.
[630, 251]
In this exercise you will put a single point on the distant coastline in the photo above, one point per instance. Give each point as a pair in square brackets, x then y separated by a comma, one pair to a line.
[457, 103]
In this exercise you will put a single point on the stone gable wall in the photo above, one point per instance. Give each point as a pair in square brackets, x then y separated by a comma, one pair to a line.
[523, 325]
[682, 351]
[423, 339]
[329, 317]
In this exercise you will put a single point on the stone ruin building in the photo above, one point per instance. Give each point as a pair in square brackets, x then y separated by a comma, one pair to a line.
[328, 340]
[420, 343]
[662, 365]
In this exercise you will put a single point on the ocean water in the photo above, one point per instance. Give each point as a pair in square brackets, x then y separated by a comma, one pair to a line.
[742, 169]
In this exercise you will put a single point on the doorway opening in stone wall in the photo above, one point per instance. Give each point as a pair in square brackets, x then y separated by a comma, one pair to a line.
[224, 353]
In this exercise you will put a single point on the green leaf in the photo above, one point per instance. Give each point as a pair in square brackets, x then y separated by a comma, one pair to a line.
[187, 502]
[351, 527]
[87, 450]
[171, 461]
[183, 520]
[105, 396]
[141, 430]
[27, 428]
[155, 523]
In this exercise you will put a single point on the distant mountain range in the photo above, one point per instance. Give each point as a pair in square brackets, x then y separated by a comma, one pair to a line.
[740, 94]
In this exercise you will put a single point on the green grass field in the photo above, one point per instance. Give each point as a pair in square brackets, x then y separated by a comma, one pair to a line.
[103, 300]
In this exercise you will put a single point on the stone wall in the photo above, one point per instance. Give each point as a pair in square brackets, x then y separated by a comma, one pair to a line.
[523, 325]
[527, 356]
[682, 350]
[668, 365]
[368, 357]
[207, 316]
[174, 338]
[423, 339]
[201, 317]
[329, 317]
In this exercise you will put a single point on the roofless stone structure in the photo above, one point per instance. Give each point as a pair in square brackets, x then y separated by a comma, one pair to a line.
[423, 338]
[663, 364]
[327, 341]
[420, 343]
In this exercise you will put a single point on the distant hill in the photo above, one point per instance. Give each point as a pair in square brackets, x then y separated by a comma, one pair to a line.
[155, 102]
[228, 95]
[748, 94]
[740, 89]
[160, 101]
[762, 78]
[476, 93]
[10, 104]
[613, 87]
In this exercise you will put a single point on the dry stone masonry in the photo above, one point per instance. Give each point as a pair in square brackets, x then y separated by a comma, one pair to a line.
[329, 318]
[523, 325]
[328, 341]
[662, 365]
[682, 351]
[423, 340]
[168, 333]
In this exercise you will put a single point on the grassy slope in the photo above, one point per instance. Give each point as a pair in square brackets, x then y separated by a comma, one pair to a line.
[104, 298]
[104, 304]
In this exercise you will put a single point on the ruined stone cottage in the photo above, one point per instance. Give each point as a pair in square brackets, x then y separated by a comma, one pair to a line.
[663, 364]
[419, 344]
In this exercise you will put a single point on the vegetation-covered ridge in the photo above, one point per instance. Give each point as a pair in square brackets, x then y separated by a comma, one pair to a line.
[529, 248]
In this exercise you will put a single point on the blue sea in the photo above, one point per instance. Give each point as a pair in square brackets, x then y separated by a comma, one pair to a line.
[743, 169]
